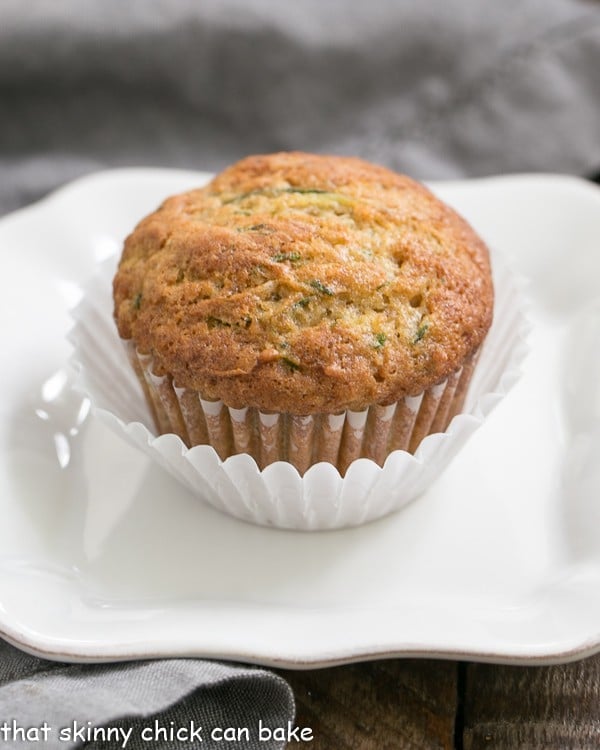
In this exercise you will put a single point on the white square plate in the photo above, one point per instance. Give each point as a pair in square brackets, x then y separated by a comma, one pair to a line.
[103, 556]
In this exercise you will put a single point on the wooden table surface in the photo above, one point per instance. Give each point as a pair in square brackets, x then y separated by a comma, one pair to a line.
[410, 704]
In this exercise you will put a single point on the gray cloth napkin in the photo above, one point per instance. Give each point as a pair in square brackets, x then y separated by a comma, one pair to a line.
[141, 703]
[439, 89]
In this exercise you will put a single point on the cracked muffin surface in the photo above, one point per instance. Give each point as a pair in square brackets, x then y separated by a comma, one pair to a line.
[305, 284]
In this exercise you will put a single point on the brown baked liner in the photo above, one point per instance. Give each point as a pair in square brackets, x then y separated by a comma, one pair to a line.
[302, 441]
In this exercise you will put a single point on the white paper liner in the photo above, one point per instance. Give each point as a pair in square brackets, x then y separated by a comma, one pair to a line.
[278, 495]
[303, 441]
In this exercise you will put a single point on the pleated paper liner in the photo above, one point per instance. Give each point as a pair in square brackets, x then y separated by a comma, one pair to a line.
[303, 441]
[318, 472]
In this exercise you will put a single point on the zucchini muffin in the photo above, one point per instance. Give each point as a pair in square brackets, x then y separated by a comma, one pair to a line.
[304, 308]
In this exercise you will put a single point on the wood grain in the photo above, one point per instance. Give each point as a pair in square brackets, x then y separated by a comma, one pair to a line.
[382, 705]
[532, 707]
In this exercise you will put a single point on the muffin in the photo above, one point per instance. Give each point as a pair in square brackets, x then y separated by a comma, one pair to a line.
[304, 308]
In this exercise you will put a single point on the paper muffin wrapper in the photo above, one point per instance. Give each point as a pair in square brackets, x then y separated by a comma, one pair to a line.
[331, 476]
[339, 439]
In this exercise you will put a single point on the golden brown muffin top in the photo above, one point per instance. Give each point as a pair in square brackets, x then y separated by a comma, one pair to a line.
[305, 284]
